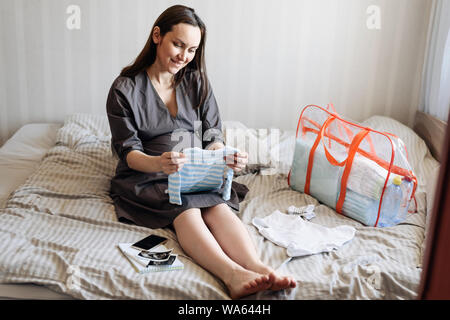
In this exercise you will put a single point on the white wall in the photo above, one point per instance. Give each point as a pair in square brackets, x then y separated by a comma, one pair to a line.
[266, 58]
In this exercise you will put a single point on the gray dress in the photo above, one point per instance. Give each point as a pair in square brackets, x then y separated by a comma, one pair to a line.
[139, 120]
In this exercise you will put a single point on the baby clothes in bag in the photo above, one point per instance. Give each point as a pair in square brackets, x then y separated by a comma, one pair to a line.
[205, 170]
[302, 237]
[325, 177]
[350, 168]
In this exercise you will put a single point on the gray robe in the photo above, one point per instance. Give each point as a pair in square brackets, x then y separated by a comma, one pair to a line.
[139, 120]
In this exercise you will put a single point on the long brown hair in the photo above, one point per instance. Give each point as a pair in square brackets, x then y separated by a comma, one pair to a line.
[170, 17]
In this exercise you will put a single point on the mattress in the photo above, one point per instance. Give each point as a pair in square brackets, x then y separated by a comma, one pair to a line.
[59, 225]
[19, 158]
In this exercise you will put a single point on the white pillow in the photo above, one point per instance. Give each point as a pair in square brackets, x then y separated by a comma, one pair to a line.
[30, 142]
[22, 153]
[416, 147]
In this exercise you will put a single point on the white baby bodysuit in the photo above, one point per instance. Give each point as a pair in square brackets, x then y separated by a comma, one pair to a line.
[302, 237]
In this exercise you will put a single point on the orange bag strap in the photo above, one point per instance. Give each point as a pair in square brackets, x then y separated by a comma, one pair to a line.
[350, 133]
[330, 158]
[313, 150]
[351, 155]
[341, 124]
[384, 164]
[372, 155]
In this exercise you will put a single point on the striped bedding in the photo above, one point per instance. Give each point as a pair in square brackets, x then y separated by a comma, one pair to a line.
[59, 229]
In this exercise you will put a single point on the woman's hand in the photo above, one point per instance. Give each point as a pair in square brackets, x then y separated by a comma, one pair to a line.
[237, 161]
[172, 162]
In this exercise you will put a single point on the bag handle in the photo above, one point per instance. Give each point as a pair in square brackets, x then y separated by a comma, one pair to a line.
[330, 158]
[313, 150]
[353, 148]
[372, 155]
[341, 124]
[382, 163]
[350, 132]
[348, 166]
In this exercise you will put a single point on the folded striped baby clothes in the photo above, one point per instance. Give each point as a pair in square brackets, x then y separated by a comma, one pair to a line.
[205, 170]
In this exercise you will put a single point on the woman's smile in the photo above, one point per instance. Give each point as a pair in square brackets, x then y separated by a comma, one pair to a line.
[176, 63]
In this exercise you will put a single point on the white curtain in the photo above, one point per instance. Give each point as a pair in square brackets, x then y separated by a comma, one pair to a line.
[436, 81]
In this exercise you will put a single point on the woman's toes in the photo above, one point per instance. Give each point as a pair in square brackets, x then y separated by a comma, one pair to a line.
[248, 286]
[284, 282]
[272, 277]
[293, 283]
[280, 282]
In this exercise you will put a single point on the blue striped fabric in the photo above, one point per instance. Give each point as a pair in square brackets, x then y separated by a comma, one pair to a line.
[205, 170]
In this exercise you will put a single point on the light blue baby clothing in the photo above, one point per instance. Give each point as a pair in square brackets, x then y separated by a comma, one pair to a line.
[325, 177]
[205, 170]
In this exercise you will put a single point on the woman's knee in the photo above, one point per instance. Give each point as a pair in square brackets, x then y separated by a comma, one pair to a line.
[210, 213]
[186, 215]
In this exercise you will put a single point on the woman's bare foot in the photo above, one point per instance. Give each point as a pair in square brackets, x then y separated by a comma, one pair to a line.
[244, 282]
[278, 281]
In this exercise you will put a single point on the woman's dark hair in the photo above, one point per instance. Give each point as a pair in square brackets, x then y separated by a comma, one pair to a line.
[169, 18]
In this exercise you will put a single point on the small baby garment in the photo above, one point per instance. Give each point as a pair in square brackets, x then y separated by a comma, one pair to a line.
[302, 237]
[205, 170]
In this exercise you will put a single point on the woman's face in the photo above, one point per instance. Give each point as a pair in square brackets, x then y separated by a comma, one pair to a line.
[177, 47]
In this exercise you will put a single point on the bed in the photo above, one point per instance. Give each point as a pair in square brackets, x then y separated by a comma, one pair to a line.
[59, 232]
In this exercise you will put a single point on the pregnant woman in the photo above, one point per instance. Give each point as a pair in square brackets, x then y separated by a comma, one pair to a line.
[163, 91]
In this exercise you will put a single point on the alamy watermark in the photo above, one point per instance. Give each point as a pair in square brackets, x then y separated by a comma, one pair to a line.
[73, 21]
[373, 279]
[261, 145]
[373, 21]
[73, 279]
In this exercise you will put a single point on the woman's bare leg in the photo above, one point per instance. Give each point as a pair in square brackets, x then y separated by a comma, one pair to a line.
[198, 242]
[233, 237]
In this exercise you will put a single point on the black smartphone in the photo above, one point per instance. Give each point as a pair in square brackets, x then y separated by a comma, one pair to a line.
[149, 242]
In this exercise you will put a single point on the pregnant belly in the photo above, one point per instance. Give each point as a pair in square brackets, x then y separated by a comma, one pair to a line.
[176, 141]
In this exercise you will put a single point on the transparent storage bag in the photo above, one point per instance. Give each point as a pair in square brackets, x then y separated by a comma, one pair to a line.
[360, 172]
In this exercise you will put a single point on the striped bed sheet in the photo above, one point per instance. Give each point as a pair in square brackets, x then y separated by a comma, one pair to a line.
[59, 229]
